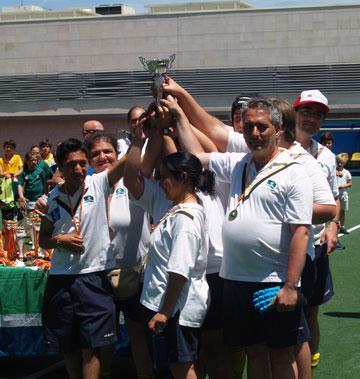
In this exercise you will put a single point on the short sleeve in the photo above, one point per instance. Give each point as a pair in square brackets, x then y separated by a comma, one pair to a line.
[223, 164]
[299, 201]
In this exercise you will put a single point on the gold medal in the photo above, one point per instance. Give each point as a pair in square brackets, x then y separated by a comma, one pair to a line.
[233, 214]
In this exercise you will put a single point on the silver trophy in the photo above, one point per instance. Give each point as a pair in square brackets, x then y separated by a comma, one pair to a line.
[20, 239]
[157, 67]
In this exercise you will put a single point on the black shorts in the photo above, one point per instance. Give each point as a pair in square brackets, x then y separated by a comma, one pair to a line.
[131, 307]
[323, 289]
[214, 316]
[78, 312]
[245, 326]
[308, 279]
[181, 343]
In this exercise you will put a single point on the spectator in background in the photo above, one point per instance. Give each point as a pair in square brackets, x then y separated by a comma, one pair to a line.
[133, 115]
[91, 126]
[32, 181]
[46, 154]
[236, 110]
[344, 181]
[327, 139]
[11, 167]
[35, 150]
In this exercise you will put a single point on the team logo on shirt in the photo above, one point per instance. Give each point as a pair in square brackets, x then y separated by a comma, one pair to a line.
[88, 199]
[271, 184]
[120, 192]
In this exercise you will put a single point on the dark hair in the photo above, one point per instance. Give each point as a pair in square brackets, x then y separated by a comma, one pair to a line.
[288, 118]
[100, 136]
[70, 145]
[238, 102]
[326, 136]
[27, 157]
[180, 162]
[46, 142]
[10, 142]
[131, 110]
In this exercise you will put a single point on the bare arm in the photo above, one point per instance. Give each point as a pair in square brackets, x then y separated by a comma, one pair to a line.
[187, 139]
[348, 184]
[117, 171]
[287, 297]
[209, 125]
[70, 241]
[323, 213]
[330, 234]
[207, 145]
[174, 287]
[152, 152]
[133, 179]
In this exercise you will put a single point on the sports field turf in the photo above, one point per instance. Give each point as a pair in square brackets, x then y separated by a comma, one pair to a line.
[340, 317]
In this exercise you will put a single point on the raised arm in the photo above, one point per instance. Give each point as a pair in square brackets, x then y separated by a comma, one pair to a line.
[117, 171]
[188, 140]
[132, 176]
[202, 120]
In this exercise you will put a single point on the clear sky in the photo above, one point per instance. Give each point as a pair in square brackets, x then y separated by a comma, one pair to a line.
[139, 5]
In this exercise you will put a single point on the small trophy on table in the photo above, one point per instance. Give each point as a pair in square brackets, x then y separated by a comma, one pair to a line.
[157, 67]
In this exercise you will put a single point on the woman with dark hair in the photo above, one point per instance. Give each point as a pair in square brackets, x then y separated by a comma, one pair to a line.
[175, 295]
[130, 234]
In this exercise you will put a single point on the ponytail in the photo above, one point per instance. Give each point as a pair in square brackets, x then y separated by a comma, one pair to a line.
[207, 182]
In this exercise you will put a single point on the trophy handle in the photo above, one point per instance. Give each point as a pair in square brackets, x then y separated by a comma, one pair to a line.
[171, 60]
[143, 62]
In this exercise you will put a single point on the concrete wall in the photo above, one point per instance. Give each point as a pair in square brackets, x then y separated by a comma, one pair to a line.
[318, 35]
[30, 131]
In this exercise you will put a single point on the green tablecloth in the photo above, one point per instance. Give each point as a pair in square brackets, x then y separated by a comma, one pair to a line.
[21, 295]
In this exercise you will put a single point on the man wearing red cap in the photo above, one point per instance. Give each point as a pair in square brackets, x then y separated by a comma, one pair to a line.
[311, 109]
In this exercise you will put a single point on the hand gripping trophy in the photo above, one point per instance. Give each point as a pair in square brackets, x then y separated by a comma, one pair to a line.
[158, 67]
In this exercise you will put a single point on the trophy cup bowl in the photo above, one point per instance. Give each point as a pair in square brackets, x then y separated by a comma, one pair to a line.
[157, 67]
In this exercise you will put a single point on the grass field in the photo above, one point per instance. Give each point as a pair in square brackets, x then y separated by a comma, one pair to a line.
[340, 317]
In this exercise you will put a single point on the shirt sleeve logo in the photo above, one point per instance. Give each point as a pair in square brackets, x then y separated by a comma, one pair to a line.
[120, 192]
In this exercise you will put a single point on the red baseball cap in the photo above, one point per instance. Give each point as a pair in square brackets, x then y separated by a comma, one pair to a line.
[312, 96]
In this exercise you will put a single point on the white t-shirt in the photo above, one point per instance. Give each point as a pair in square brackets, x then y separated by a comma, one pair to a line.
[129, 229]
[236, 143]
[215, 213]
[98, 255]
[327, 162]
[341, 180]
[257, 241]
[321, 190]
[179, 244]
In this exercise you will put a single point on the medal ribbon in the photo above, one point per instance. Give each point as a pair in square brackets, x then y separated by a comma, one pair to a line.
[247, 189]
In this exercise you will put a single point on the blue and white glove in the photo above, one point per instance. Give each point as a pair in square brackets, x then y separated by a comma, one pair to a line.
[263, 298]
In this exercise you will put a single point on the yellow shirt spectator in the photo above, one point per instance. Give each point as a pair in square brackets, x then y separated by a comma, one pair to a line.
[13, 166]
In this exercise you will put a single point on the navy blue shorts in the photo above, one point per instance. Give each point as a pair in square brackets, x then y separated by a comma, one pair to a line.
[131, 307]
[78, 312]
[214, 316]
[323, 289]
[181, 342]
[308, 279]
[245, 326]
